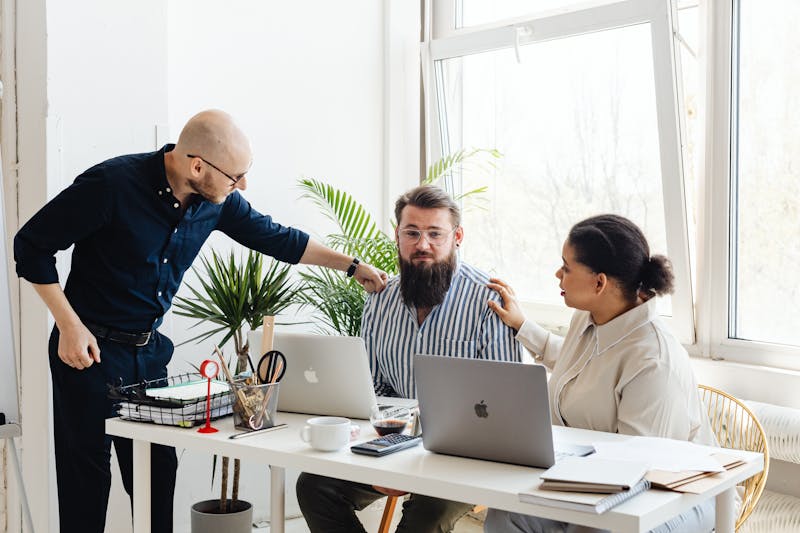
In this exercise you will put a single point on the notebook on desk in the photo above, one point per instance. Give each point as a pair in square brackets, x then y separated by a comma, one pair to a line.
[487, 410]
[582, 501]
[325, 375]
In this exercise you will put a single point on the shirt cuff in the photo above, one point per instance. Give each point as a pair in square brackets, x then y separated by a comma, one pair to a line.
[533, 337]
[41, 273]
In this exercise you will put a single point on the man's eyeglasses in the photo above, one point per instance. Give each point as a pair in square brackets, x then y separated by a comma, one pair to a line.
[433, 236]
[235, 180]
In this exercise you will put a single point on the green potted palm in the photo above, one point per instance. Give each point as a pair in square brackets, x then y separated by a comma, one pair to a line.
[339, 301]
[233, 294]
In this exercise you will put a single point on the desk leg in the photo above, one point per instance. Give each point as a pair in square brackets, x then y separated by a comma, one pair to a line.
[141, 486]
[277, 499]
[726, 511]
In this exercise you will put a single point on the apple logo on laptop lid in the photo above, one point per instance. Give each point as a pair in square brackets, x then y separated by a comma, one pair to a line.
[481, 409]
[311, 375]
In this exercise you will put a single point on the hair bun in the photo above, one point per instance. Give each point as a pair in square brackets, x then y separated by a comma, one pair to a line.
[657, 275]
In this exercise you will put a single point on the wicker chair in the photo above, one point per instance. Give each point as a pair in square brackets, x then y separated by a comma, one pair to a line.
[736, 427]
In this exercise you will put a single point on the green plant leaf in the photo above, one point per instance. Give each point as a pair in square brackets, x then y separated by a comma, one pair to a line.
[234, 292]
[339, 301]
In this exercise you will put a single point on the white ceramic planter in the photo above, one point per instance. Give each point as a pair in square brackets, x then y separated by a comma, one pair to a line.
[206, 518]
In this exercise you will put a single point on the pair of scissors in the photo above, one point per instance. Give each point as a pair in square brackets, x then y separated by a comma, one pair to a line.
[268, 370]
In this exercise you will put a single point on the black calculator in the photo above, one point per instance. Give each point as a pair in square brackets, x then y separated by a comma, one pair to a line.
[386, 444]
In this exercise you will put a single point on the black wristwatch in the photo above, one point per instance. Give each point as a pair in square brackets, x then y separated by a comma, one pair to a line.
[352, 268]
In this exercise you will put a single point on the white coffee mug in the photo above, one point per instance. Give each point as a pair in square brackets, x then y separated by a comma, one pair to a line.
[329, 433]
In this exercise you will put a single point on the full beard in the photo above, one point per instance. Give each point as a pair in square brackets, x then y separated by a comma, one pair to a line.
[425, 285]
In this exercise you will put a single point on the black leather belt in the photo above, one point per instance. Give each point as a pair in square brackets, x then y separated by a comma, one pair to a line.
[115, 335]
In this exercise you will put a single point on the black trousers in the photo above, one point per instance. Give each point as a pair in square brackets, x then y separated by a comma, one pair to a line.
[83, 450]
[329, 506]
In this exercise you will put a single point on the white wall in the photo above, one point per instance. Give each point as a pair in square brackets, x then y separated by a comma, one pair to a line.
[305, 81]
[103, 89]
[308, 81]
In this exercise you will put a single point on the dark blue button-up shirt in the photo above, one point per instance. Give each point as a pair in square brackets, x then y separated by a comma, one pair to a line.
[133, 241]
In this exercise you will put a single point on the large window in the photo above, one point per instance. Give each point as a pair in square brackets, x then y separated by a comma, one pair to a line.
[765, 199]
[576, 122]
[679, 115]
[572, 102]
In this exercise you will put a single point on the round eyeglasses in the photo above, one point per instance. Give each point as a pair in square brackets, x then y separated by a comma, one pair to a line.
[435, 237]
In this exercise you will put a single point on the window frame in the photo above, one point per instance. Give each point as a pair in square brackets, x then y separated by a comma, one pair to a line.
[443, 41]
[715, 234]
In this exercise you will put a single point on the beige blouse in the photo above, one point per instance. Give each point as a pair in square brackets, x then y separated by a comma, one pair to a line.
[627, 376]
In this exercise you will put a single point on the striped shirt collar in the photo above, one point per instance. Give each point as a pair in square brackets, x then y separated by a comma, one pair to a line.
[461, 326]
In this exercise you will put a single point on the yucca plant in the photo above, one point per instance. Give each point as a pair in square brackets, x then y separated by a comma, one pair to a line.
[340, 301]
[234, 293]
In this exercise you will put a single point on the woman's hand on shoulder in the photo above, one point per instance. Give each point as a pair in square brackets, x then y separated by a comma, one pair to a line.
[510, 311]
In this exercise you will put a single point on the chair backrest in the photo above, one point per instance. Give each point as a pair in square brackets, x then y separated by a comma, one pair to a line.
[736, 427]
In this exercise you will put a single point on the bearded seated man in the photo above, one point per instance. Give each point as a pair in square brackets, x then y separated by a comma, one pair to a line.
[437, 305]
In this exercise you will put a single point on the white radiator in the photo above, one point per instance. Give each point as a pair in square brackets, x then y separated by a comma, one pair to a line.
[782, 426]
[775, 512]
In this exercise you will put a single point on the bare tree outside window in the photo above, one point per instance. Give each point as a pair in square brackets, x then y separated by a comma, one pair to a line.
[576, 122]
[766, 301]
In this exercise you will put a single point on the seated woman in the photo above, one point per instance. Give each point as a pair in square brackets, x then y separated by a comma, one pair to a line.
[618, 369]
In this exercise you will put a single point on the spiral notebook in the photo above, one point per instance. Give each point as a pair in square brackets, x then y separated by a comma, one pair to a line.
[582, 501]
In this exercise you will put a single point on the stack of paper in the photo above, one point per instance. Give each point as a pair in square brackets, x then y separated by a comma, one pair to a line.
[582, 501]
[675, 465]
[191, 391]
[588, 484]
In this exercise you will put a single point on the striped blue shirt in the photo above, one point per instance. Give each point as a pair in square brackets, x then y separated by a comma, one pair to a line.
[461, 326]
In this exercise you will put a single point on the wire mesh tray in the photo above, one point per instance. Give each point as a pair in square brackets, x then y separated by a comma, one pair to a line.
[135, 404]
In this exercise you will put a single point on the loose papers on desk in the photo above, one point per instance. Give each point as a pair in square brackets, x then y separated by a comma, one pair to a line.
[675, 465]
[660, 454]
[694, 481]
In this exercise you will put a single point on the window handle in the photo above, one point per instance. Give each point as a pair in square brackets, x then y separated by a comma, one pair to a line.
[520, 32]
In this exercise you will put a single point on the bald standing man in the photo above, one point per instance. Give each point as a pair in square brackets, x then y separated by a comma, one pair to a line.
[137, 223]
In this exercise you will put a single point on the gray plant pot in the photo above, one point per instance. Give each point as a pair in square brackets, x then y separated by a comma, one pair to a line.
[206, 518]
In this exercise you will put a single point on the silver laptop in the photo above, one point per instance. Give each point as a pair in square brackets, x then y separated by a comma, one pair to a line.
[325, 375]
[487, 410]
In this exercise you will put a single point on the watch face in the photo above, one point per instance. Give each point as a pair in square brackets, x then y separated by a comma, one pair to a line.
[352, 268]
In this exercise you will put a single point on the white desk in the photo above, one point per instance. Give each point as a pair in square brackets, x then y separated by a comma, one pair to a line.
[416, 470]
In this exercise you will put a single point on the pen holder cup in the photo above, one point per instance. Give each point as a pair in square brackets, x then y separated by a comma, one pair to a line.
[254, 406]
